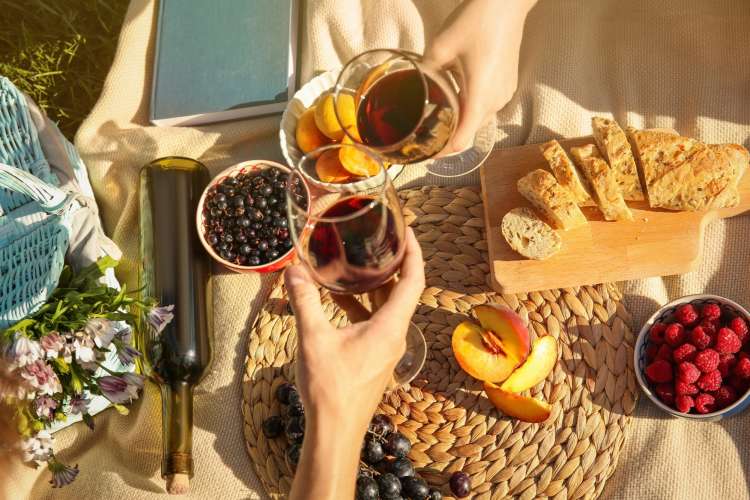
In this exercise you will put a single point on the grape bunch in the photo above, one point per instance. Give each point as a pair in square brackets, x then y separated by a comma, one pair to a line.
[291, 424]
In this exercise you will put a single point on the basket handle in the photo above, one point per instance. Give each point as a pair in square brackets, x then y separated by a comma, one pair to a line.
[51, 198]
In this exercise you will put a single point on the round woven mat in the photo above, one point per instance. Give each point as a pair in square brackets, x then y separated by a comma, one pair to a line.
[444, 412]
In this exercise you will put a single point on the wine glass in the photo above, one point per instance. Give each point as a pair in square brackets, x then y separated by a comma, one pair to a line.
[406, 111]
[350, 234]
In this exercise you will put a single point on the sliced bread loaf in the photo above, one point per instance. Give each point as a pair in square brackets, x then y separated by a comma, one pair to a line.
[530, 236]
[565, 172]
[614, 146]
[603, 182]
[552, 200]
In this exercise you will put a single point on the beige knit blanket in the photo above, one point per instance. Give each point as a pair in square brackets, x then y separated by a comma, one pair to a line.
[683, 64]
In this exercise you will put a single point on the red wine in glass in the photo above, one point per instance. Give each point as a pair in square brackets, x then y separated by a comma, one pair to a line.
[359, 253]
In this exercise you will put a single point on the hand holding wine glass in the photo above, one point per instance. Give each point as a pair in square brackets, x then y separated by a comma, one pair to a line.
[341, 373]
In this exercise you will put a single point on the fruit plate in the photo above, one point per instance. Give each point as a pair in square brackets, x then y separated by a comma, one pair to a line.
[303, 99]
[444, 412]
[657, 243]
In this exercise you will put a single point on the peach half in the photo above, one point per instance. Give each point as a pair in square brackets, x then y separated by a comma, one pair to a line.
[492, 351]
[537, 366]
[514, 405]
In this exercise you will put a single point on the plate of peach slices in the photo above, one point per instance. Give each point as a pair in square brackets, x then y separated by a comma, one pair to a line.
[498, 352]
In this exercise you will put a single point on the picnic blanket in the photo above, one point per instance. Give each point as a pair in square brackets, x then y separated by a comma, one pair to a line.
[683, 64]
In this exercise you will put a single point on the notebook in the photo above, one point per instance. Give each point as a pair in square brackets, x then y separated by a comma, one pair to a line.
[223, 59]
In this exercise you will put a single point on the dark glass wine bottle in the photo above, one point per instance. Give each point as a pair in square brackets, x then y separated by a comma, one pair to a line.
[175, 270]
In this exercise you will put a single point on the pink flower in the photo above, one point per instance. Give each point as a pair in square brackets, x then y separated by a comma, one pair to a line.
[101, 331]
[159, 317]
[23, 350]
[38, 447]
[41, 377]
[45, 407]
[53, 344]
[121, 389]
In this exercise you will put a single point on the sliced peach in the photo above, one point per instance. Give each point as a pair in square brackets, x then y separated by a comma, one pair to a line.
[537, 366]
[307, 134]
[508, 327]
[329, 168]
[357, 161]
[480, 353]
[520, 407]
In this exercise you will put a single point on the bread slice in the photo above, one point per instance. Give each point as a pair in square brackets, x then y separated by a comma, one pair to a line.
[603, 181]
[614, 146]
[681, 173]
[552, 200]
[565, 172]
[530, 236]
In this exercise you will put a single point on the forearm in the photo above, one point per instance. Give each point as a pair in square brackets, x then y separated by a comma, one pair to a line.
[329, 461]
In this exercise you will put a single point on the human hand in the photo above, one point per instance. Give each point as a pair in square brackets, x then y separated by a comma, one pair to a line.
[342, 372]
[481, 39]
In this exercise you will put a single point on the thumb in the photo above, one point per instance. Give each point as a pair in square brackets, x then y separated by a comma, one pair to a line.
[304, 296]
[439, 54]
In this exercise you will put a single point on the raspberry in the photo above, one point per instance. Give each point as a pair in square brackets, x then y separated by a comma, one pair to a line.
[726, 363]
[704, 403]
[651, 352]
[687, 372]
[725, 396]
[686, 314]
[711, 311]
[710, 381]
[707, 361]
[739, 326]
[674, 335]
[657, 333]
[665, 392]
[664, 353]
[682, 389]
[659, 371]
[709, 325]
[727, 341]
[742, 355]
[742, 368]
[700, 338]
[686, 352]
[684, 403]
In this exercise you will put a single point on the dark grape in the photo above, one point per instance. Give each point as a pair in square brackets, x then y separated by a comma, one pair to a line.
[238, 201]
[367, 488]
[397, 445]
[212, 239]
[240, 238]
[253, 260]
[220, 197]
[295, 429]
[295, 410]
[222, 205]
[435, 495]
[273, 427]
[373, 452]
[230, 181]
[261, 203]
[283, 391]
[292, 454]
[273, 255]
[267, 190]
[460, 484]
[389, 485]
[415, 488]
[401, 467]
[381, 425]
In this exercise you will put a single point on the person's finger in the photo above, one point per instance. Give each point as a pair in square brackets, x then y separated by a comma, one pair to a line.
[472, 115]
[439, 54]
[406, 292]
[354, 309]
[304, 297]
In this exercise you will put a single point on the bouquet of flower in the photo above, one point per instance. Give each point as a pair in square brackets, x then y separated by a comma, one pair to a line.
[54, 359]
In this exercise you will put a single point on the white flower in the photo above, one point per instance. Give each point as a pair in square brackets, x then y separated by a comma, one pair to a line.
[159, 317]
[42, 377]
[38, 447]
[79, 404]
[23, 350]
[121, 389]
[101, 330]
[53, 344]
[83, 348]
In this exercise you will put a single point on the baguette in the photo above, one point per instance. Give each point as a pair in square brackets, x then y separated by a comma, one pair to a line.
[681, 173]
[530, 236]
[552, 200]
[565, 172]
[603, 181]
[614, 146]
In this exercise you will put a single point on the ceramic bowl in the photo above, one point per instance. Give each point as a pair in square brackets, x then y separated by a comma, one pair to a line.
[665, 314]
[245, 166]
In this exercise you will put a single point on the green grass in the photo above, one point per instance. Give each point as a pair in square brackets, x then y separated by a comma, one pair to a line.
[59, 52]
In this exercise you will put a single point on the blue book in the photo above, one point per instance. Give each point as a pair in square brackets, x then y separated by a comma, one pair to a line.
[223, 59]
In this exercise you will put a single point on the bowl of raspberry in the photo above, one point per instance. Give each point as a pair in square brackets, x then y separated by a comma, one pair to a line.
[242, 220]
[692, 358]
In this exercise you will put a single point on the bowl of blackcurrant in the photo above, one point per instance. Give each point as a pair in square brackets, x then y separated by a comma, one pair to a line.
[241, 217]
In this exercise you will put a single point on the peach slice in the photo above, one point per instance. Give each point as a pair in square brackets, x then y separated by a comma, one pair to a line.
[329, 168]
[508, 327]
[537, 366]
[307, 134]
[480, 354]
[520, 407]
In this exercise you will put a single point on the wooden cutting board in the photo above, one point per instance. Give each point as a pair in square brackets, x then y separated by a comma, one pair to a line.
[657, 243]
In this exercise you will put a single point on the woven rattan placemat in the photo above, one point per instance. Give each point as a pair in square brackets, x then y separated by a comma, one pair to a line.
[444, 412]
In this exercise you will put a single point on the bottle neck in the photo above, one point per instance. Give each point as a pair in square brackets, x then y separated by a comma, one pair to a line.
[177, 420]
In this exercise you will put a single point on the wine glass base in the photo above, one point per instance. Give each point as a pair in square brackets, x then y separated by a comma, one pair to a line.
[467, 161]
[412, 361]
